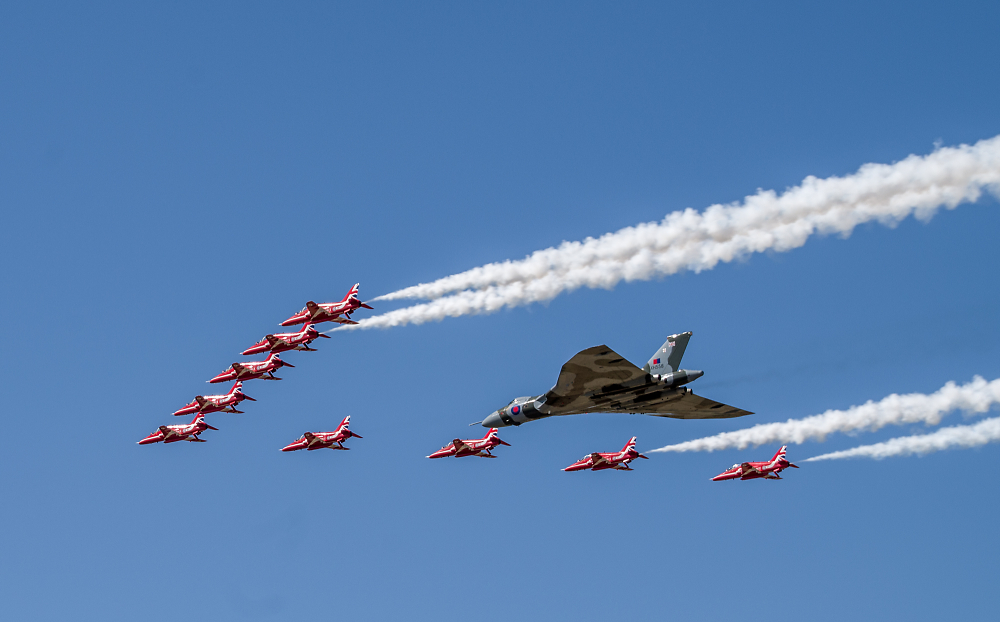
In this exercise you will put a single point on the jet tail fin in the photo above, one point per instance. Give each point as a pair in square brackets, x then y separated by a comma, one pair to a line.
[668, 358]
[353, 292]
[780, 453]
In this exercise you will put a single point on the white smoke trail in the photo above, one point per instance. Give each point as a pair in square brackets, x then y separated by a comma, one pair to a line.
[977, 396]
[691, 240]
[964, 436]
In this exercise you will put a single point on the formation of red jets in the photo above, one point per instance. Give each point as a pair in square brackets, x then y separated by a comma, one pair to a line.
[201, 405]
[340, 312]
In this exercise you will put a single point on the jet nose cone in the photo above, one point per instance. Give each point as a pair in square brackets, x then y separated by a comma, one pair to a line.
[493, 421]
[694, 374]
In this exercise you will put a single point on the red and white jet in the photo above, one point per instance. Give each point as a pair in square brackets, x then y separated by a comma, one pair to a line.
[253, 369]
[473, 447]
[205, 404]
[324, 440]
[601, 461]
[339, 312]
[287, 341]
[183, 432]
[755, 470]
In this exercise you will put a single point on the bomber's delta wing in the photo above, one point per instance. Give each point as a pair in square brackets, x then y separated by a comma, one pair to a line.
[593, 371]
[666, 403]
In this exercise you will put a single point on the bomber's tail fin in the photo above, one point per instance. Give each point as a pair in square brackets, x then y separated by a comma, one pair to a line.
[668, 358]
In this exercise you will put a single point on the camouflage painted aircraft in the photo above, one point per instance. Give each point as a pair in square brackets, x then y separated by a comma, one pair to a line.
[599, 380]
[758, 470]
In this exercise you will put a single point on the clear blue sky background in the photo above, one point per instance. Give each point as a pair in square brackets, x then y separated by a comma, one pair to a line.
[175, 181]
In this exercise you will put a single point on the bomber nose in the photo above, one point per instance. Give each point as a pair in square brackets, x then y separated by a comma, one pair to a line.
[494, 421]
[694, 374]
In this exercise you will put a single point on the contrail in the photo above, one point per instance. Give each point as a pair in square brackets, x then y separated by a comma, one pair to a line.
[984, 432]
[692, 240]
[977, 396]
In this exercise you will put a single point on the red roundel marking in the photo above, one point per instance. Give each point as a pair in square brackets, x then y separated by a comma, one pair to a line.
[515, 410]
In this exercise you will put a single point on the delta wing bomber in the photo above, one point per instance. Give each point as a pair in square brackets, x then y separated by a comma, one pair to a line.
[599, 380]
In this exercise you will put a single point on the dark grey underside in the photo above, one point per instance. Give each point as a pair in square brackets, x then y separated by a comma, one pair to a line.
[598, 379]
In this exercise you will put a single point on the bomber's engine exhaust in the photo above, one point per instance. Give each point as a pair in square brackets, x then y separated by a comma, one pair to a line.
[679, 377]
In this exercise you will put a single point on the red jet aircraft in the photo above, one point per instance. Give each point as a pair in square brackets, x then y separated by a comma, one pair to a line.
[754, 470]
[253, 369]
[183, 432]
[205, 404]
[473, 447]
[287, 341]
[339, 312]
[324, 440]
[617, 460]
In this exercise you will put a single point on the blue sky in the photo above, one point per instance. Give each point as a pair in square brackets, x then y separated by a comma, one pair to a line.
[175, 181]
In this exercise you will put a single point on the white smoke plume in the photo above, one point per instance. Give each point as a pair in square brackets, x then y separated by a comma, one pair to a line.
[692, 240]
[963, 436]
[977, 396]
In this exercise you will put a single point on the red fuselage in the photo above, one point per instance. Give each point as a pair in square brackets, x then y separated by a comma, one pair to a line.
[283, 342]
[600, 461]
[216, 403]
[339, 312]
[174, 433]
[252, 370]
[324, 440]
[768, 469]
[472, 447]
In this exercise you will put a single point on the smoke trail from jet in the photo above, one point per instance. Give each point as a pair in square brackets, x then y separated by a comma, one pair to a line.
[692, 240]
[977, 396]
[963, 436]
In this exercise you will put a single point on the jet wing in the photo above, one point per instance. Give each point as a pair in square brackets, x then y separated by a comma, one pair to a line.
[459, 445]
[593, 371]
[239, 369]
[596, 459]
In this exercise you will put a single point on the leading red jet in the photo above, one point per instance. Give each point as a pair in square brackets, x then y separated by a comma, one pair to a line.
[339, 312]
[324, 440]
[755, 470]
[601, 461]
[205, 404]
[287, 341]
[183, 432]
[473, 447]
[253, 369]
